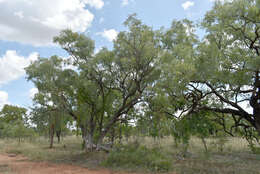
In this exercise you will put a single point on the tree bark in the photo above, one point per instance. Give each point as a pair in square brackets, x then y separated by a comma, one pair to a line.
[255, 102]
[51, 135]
[204, 144]
[58, 133]
[89, 144]
[256, 113]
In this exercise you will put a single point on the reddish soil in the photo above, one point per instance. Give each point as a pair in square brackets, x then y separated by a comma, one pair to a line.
[20, 165]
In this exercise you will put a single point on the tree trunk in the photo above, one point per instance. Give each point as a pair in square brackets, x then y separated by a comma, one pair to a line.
[204, 144]
[255, 102]
[257, 119]
[51, 135]
[256, 114]
[112, 136]
[58, 133]
[258, 128]
[19, 140]
[100, 146]
[83, 134]
[120, 135]
[88, 141]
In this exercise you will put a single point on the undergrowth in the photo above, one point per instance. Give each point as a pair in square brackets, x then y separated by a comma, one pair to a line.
[145, 155]
[138, 156]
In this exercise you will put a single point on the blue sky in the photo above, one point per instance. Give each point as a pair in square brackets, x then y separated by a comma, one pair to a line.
[27, 28]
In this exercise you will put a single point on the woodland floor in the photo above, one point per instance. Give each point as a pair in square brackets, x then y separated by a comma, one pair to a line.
[34, 157]
[16, 164]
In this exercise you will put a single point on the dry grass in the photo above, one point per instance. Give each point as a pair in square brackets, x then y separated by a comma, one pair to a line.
[235, 158]
[39, 150]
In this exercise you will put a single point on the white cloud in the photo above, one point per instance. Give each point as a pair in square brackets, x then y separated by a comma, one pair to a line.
[3, 98]
[12, 65]
[32, 92]
[186, 5]
[98, 4]
[37, 22]
[19, 14]
[110, 35]
[126, 2]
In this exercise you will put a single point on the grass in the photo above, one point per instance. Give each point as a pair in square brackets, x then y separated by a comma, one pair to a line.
[149, 156]
[134, 156]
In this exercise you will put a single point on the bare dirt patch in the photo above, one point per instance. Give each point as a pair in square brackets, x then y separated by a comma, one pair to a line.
[21, 165]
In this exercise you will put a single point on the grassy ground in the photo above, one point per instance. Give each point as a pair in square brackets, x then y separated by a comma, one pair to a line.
[68, 151]
[235, 157]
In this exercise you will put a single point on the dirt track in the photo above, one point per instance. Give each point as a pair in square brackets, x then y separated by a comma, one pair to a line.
[12, 164]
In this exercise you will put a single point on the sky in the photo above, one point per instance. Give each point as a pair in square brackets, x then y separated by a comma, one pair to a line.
[28, 26]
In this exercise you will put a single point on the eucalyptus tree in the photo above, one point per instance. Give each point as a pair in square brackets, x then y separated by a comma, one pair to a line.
[14, 122]
[220, 73]
[48, 77]
[106, 86]
[11, 113]
[233, 32]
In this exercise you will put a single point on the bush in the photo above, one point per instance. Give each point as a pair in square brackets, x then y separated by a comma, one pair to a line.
[135, 156]
[253, 146]
[16, 130]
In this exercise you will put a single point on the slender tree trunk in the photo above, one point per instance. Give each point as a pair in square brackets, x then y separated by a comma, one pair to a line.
[112, 136]
[204, 144]
[58, 133]
[120, 135]
[83, 134]
[127, 138]
[51, 135]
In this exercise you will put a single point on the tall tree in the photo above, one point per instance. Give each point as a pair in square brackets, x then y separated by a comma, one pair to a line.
[10, 113]
[14, 122]
[220, 73]
[48, 76]
[106, 85]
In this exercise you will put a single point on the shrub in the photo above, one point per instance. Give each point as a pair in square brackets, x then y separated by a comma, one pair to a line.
[253, 147]
[136, 156]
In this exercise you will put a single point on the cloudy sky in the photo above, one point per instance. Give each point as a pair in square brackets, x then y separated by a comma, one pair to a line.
[28, 26]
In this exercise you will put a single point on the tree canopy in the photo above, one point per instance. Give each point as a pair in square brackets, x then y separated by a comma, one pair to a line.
[160, 75]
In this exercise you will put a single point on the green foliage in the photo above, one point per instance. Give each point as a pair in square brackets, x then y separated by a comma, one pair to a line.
[137, 156]
[168, 71]
[198, 124]
[14, 123]
[83, 47]
[254, 146]
[106, 86]
[16, 130]
[153, 124]
[10, 114]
